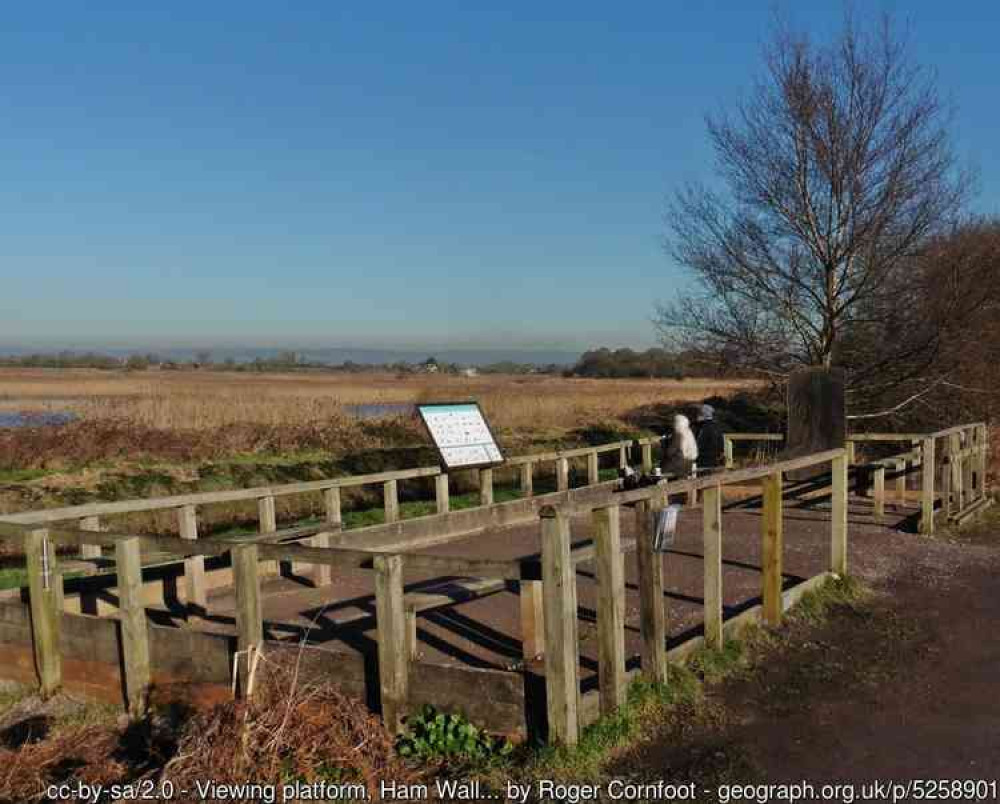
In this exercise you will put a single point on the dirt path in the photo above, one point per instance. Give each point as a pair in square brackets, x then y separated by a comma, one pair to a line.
[901, 686]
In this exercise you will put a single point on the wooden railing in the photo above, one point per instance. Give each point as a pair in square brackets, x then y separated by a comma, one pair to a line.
[546, 580]
[728, 439]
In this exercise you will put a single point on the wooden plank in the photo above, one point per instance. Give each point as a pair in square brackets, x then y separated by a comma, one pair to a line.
[195, 592]
[532, 619]
[952, 447]
[486, 486]
[879, 494]
[332, 507]
[771, 549]
[887, 437]
[712, 552]
[442, 496]
[652, 619]
[610, 571]
[727, 445]
[927, 490]
[852, 457]
[393, 655]
[647, 458]
[390, 500]
[527, 479]
[562, 474]
[838, 515]
[562, 688]
[593, 469]
[623, 455]
[92, 523]
[900, 494]
[211, 497]
[45, 599]
[249, 616]
[755, 436]
[134, 629]
[968, 491]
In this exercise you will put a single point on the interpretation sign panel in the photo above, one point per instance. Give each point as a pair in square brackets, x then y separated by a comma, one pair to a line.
[461, 435]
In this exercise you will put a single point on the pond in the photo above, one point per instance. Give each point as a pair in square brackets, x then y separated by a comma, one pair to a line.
[378, 410]
[35, 418]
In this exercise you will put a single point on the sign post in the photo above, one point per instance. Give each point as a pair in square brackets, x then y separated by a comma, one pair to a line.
[461, 434]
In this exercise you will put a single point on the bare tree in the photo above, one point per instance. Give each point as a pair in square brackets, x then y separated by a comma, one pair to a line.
[838, 171]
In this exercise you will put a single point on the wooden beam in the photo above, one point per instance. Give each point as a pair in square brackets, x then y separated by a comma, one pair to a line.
[927, 490]
[838, 515]
[879, 495]
[652, 619]
[771, 549]
[647, 458]
[562, 474]
[390, 500]
[393, 655]
[442, 497]
[610, 571]
[593, 469]
[623, 455]
[249, 616]
[134, 629]
[712, 552]
[486, 486]
[562, 688]
[45, 591]
[900, 494]
[527, 479]
[195, 593]
[727, 445]
[91, 523]
[268, 524]
[532, 619]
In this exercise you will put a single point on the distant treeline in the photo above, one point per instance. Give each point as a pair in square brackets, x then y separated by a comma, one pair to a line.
[628, 363]
[283, 361]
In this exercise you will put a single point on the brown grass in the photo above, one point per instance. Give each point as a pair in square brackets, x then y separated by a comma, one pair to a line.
[205, 414]
[289, 730]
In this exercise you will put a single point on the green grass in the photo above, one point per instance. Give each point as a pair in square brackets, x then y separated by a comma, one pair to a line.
[22, 475]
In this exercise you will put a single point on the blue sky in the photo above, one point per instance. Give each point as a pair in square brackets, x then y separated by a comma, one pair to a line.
[399, 174]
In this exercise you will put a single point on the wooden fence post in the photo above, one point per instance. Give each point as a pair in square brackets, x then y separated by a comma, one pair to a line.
[652, 619]
[562, 474]
[927, 490]
[771, 548]
[647, 458]
[593, 468]
[390, 500]
[322, 574]
[838, 515]
[622, 456]
[532, 619]
[712, 552]
[249, 616]
[900, 494]
[195, 594]
[610, 570]
[132, 620]
[879, 495]
[45, 590]
[851, 454]
[268, 524]
[486, 486]
[527, 479]
[968, 478]
[393, 654]
[91, 523]
[984, 458]
[442, 497]
[952, 447]
[727, 446]
[562, 688]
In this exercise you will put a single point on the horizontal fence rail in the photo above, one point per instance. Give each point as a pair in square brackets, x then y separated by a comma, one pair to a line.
[545, 581]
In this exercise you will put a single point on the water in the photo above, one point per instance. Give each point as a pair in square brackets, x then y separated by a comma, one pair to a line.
[35, 419]
[377, 410]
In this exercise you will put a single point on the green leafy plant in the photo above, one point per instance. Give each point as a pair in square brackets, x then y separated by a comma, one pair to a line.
[433, 735]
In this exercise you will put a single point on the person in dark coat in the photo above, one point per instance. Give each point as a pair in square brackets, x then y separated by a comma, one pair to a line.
[711, 444]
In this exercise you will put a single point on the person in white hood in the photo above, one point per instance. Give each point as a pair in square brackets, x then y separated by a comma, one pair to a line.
[681, 453]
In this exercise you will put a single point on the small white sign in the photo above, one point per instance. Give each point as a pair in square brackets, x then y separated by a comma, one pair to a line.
[461, 434]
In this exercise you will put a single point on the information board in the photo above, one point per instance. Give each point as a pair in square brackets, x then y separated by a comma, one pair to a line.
[461, 435]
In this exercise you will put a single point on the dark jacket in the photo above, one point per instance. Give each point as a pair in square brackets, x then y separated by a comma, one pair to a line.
[711, 445]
